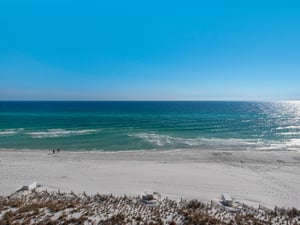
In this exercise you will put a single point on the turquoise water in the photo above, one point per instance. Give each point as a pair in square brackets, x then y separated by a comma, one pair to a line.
[112, 126]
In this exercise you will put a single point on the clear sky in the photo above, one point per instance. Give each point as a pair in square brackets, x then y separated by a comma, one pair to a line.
[197, 50]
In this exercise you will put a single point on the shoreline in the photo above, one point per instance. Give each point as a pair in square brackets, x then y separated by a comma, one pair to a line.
[196, 150]
[268, 178]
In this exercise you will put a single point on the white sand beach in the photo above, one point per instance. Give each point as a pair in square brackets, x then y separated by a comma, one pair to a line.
[267, 178]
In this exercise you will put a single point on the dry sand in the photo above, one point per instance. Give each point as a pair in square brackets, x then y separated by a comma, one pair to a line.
[267, 178]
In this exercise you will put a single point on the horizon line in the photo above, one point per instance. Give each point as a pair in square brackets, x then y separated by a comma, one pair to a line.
[146, 100]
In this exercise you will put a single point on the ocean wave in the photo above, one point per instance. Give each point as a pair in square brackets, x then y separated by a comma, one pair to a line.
[55, 133]
[10, 132]
[160, 140]
[166, 141]
[288, 127]
[156, 139]
[289, 133]
[288, 144]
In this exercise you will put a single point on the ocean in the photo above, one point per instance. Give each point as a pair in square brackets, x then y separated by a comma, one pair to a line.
[149, 125]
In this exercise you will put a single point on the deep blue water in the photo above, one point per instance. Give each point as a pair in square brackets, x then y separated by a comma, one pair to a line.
[113, 125]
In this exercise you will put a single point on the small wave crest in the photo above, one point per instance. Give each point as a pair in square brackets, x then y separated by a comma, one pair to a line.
[166, 141]
[156, 139]
[55, 133]
[160, 140]
[10, 132]
[288, 144]
[293, 127]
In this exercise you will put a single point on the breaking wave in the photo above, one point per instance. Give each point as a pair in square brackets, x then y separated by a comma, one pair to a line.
[10, 132]
[55, 133]
[166, 141]
[169, 141]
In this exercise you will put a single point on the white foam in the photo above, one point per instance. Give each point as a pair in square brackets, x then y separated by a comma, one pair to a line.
[166, 140]
[290, 133]
[288, 127]
[159, 140]
[288, 144]
[54, 133]
[10, 132]
[218, 143]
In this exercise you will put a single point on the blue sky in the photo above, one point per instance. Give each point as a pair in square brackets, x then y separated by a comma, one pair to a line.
[152, 50]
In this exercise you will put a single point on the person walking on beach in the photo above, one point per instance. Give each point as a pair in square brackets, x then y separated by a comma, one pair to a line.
[53, 151]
